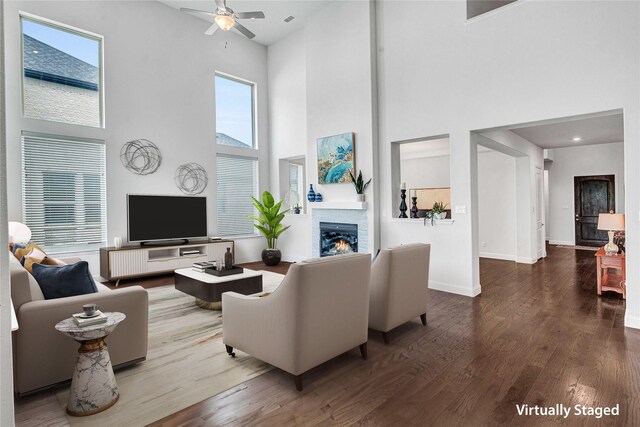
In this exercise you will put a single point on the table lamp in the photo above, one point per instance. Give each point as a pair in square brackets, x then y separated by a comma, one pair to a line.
[610, 222]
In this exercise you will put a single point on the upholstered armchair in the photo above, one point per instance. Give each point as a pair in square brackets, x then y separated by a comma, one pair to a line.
[319, 311]
[399, 282]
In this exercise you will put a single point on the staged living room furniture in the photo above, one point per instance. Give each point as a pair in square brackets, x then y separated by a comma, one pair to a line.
[137, 261]
[611, 272]
[44, 357]
[208, 288]
[399, 282]
[319, 311]
[93, 386]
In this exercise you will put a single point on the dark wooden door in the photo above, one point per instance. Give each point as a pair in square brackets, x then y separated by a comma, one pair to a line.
[593, 195]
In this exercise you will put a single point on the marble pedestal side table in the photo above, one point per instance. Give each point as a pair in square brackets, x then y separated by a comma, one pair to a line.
[93, 385]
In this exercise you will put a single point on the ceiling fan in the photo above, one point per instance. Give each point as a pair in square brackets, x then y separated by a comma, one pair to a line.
[226, 18]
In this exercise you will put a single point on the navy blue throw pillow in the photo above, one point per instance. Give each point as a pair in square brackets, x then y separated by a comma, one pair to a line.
[64, 281]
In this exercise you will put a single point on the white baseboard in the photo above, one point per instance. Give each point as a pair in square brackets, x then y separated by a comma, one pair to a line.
[454, 289]
[632, 322]
[561, 242]
[504, 257]
[294, 258]
[523, 260]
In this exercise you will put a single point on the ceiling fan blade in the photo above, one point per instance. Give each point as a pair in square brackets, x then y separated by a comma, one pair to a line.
[221, 4]
[212, 29]
[186, 9]
[244, 30]
[249, 15]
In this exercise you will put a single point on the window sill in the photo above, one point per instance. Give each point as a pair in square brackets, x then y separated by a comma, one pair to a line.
[302, 215]
[243, 237]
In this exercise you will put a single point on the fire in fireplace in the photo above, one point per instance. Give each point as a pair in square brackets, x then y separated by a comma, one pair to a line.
[338, 239]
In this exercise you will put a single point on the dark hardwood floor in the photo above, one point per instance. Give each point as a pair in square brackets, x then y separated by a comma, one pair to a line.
[536, 335]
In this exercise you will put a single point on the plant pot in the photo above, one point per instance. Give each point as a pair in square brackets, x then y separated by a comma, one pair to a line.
[442, 215]
[360, 197]
[271, 257]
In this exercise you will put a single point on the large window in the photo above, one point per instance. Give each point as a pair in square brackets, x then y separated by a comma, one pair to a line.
[235, 119]
[237, 181]
[62, 73]
[64, 192]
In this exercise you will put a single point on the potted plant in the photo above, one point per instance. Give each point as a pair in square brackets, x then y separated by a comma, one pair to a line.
[297, 209]
[359, 185]
[269, 223]
[438, 211]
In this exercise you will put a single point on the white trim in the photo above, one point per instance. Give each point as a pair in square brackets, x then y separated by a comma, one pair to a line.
[454, 289]
[561, 242]
[358, 206]
[504, 257]
[632, 322]
[524, 260]
[295, 258]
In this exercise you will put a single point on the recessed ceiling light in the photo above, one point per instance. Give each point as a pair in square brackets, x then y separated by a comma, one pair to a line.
[35, 51]
[577, 138]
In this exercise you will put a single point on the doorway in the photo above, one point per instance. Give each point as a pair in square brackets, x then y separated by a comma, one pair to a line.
[593, 195]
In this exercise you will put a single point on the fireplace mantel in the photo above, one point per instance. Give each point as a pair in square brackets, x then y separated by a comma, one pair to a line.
[358, 206]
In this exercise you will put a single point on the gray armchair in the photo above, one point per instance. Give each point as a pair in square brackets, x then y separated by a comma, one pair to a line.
[318, 312]
[399, 283]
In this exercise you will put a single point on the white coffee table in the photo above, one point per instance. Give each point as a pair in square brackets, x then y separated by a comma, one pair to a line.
[208, 289]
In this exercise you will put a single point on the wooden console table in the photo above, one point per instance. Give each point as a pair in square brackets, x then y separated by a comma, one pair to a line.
[608, 281]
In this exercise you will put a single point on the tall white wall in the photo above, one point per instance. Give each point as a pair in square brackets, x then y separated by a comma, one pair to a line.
[497, 205]
[450, 76]
[159, 84]
[287, 70]
[600, 159]
[341, 94]
[337, 96]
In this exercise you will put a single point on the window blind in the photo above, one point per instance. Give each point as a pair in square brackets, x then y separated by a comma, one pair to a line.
[237, 181]
[64, 192]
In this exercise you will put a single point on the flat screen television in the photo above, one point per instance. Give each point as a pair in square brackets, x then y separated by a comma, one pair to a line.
[155, 218]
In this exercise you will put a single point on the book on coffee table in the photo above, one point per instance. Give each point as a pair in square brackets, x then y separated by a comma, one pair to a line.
[82, 320]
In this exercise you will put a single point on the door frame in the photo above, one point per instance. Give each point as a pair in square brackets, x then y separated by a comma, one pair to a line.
[611, 178]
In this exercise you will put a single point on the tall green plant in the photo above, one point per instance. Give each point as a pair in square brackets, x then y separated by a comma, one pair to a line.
[269, 219]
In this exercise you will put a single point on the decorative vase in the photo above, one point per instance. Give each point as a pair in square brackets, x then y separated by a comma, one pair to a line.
[318, 197]
[117, 242]
[360, 197]
[311, 195]
[271, 257]
[228, 260]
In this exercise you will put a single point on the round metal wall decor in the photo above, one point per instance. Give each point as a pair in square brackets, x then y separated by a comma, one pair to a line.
[140, 156]
[191, 178]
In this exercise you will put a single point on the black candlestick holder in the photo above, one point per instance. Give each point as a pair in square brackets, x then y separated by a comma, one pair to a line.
[403, 204]
[414, 207]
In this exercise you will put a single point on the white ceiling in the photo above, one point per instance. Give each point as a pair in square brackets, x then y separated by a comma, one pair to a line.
[593, 130]
[268, 30]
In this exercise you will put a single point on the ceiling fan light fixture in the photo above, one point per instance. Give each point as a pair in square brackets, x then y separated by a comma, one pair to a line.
[225, 22]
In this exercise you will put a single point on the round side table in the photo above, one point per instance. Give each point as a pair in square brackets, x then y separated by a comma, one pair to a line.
[93, 385]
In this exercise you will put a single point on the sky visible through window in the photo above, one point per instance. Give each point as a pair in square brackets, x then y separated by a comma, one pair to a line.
[83, 48]
[234, 109]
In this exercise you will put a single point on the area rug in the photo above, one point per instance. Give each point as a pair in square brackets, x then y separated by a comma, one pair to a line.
[186, 362]
[582, 248]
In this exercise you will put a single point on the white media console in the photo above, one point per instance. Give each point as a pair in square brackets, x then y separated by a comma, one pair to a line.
[138, 261]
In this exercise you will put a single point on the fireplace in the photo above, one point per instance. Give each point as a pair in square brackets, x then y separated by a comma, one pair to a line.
[338, 238]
